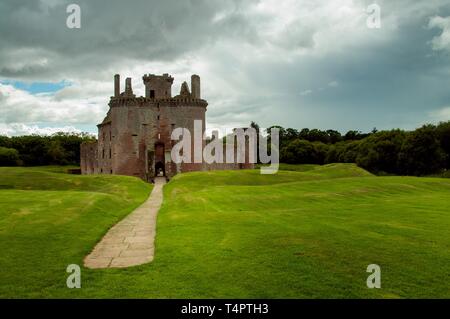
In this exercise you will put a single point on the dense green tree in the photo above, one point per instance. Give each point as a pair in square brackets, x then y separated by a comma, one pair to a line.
[346, 152]
[332, 154]
[320, 152]
[304, 134]
[32, 149]
[304, 152]
[380, 151]
[5, 141]
[291, 134]
[351, 135]
[334, 136]
[316, 135]
[443, 134]
[56, 153]
[421, 152]
[60, 148]
[9, 156]
[298, 152]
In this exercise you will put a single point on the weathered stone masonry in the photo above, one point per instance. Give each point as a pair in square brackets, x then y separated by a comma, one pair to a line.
[134, 138]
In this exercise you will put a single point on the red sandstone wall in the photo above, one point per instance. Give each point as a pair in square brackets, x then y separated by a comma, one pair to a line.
[88, 158]
[105, 149]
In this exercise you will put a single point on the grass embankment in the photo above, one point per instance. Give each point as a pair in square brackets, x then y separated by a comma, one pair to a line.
[307, 232]
[49, 220]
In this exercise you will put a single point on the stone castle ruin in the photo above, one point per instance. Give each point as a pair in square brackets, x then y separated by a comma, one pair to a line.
[135, 136]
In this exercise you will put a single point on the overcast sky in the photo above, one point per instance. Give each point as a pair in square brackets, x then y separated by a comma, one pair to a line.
[297, 63]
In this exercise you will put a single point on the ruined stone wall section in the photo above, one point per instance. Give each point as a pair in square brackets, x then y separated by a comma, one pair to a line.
[88, 158]
[105, 151]
[184, 116]
[136, 128]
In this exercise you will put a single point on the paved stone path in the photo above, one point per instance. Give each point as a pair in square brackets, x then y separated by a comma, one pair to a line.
[131, 241]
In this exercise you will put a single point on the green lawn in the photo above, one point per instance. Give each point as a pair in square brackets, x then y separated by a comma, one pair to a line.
[306, 232]
[49, 219]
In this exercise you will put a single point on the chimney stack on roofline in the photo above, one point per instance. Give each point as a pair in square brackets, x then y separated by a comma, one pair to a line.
[116, 85]
[128, 88]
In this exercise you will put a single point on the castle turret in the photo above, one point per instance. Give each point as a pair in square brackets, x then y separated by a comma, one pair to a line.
[158, 86]
[195, 86]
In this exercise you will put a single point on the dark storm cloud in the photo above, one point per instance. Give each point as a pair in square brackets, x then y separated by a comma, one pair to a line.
[394, 85]
[293, 63]
[112, 32]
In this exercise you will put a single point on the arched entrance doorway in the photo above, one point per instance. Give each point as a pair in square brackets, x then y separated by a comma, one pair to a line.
[159, 169]
[159, 160]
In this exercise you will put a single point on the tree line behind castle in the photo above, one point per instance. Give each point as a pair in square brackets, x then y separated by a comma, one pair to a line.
[423, 151]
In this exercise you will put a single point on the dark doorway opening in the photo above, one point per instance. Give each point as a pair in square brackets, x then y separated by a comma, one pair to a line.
[152, 94]
[159, 160]
[159, 169]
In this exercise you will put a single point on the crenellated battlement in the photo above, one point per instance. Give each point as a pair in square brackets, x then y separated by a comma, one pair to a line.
[124, 101]
[159, 87]
[158, 92]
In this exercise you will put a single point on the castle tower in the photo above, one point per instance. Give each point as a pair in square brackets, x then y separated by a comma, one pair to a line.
[158, 86]
[195, 86]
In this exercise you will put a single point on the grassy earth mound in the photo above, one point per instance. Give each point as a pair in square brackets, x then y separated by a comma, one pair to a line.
[306, 232]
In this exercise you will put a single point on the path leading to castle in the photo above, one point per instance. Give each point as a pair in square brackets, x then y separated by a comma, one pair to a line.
[131, 241]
